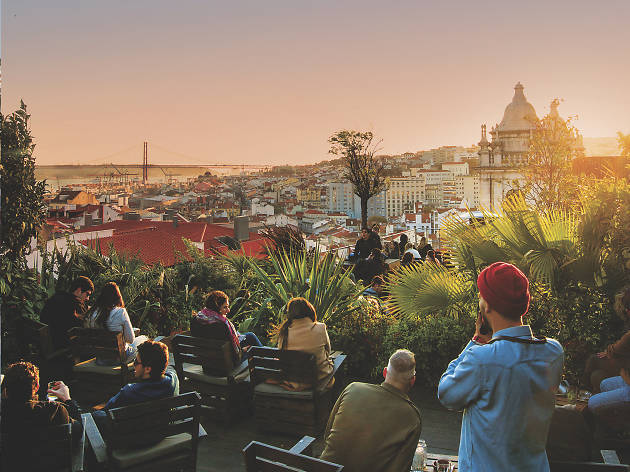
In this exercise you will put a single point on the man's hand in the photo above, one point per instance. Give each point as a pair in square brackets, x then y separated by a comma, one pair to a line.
[602, 355]
[60, 390]
[481, 338]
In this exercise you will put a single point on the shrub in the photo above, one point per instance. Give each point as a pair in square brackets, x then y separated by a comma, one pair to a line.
[360, 335]
[435, 341]
[581, 318]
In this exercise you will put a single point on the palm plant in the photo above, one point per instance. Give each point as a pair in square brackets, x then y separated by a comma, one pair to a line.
[542, 245]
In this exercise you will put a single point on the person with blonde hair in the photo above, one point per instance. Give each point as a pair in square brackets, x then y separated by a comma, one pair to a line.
[301, 331]
[376, 427]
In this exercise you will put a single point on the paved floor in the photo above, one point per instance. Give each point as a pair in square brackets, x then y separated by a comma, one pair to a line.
[221, 450]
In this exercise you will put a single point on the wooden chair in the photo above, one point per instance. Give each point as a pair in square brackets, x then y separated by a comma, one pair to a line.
[263, 457]
[36, 346]
[207, 366]
[160, 435]
[95, 383]
[54, 448]
[280, 410]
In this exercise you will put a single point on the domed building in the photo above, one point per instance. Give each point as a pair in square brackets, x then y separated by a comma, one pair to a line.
[499, 158]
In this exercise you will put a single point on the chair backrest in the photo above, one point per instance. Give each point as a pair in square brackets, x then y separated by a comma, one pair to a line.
[268, 363]
[91, 342]
[34, 340]
[149, 422]
[215, 356]
[50, 449]
[262, 457]
[586, 467]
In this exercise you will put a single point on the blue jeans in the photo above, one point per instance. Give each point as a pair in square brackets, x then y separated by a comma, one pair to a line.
[614, 393]
[250, 340]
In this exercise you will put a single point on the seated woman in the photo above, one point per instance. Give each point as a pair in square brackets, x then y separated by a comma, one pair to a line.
[110, 313]
[301, 332]
[606, 364]
[215, 311]
[410, 249]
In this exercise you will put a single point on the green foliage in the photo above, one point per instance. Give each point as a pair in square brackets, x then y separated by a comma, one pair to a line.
[320, 278]
[362, 169]
[582, 318]
[425, 289]
[360, 334]
[549, 182]
[22, 204]
[624, 143]
[435, 341]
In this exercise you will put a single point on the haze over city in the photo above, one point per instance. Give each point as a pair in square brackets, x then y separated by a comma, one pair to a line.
[251, 82]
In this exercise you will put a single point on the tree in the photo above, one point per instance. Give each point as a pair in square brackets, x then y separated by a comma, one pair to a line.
[624, 143]
[362, 169]
[549, 182]
[21, 204]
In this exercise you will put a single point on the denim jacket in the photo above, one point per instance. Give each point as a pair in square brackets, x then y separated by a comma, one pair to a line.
[506, 390]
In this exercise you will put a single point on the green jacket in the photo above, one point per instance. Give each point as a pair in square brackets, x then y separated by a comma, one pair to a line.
[372, 427]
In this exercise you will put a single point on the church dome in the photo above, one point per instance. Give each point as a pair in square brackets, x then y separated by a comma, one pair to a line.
[519, 113]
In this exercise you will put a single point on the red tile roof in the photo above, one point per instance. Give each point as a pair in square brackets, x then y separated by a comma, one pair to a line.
[159, 241]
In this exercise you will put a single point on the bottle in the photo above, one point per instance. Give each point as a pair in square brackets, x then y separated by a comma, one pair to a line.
[419, 457]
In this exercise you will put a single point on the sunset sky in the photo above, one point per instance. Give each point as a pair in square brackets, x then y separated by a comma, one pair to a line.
[269, 81]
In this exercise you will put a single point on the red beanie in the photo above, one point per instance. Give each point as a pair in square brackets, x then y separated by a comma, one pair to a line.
[505, 288]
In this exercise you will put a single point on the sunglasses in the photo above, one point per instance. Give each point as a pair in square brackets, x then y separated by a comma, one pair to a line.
[137, 362]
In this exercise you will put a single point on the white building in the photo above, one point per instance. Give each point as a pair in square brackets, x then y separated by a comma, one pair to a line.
[403, 193]
[499, 159]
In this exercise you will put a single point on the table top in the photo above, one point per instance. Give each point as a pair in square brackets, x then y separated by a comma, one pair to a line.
[431, 458]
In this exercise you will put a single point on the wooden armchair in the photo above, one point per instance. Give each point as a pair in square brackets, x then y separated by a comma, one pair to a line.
[52, 448]
[285, 411]
[263, 457]
[160, 435]
[96, 383]
[207, 366]
[36, 346]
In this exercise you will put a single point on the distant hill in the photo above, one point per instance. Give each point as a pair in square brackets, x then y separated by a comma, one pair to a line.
[601, 146]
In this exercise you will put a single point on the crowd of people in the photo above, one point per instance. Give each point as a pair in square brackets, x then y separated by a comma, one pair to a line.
[505, 381]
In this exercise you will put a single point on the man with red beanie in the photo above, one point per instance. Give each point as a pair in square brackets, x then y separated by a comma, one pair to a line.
[504, 383]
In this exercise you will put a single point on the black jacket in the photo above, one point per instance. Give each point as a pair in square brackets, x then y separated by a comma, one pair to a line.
[61, 312]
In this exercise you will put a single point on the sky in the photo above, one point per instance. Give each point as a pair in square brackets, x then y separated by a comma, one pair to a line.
[253, 82]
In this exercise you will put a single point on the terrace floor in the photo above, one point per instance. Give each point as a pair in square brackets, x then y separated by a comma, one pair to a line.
[221, 450]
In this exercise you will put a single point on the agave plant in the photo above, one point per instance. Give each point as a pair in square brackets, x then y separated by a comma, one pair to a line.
[320, 278]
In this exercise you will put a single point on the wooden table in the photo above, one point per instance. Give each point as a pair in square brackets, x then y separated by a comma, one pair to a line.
[431, 458]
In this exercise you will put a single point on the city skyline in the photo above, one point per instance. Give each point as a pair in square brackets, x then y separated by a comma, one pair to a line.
[253, 83]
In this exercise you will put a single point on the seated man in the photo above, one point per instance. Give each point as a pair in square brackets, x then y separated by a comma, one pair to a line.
[376, 427]
[155, 379]
[64, 310]
[23, 414]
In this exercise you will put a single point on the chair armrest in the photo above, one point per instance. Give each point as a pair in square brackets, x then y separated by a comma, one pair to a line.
[78, 451]
[94, 438]
[202, 432]
[303, 446]
[337, 361]
[610, 456]
[243, 366]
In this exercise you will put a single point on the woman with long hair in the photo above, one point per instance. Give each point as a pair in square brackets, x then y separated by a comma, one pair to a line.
[301, 331]
[216, 308]
[109, 313]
